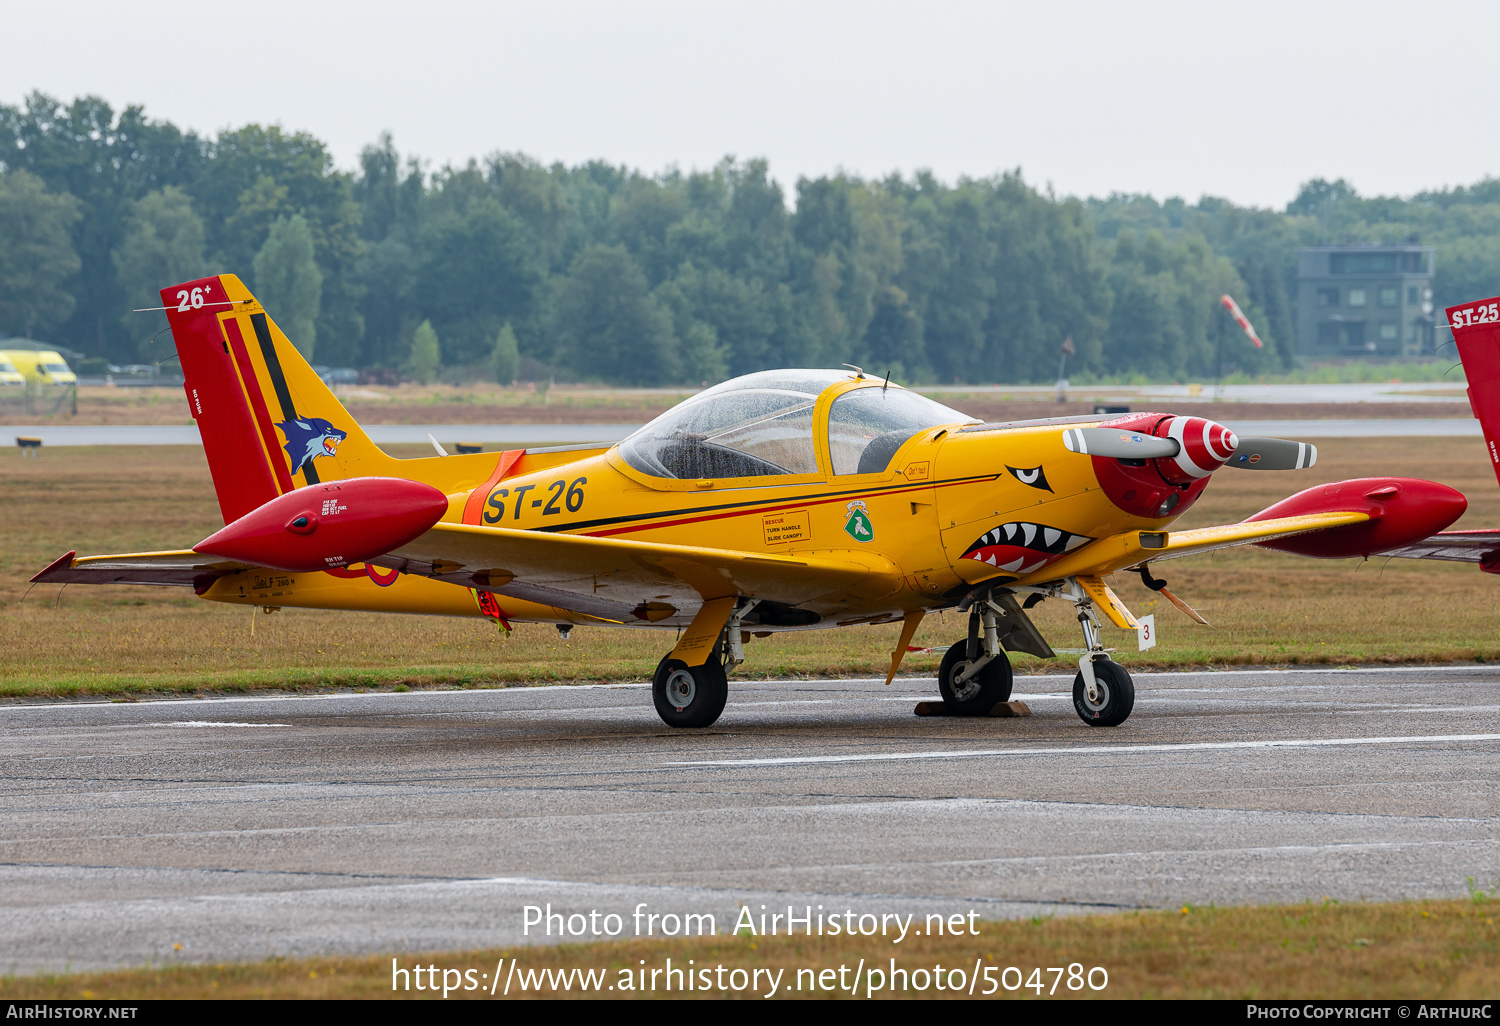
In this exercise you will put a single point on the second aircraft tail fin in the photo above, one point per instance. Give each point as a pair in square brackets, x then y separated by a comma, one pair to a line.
[1476, 330]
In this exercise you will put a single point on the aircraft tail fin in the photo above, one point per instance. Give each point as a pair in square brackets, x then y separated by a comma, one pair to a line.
[1476, 330]
[269, 423]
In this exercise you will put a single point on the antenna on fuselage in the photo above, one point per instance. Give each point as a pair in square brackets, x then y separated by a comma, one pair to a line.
[858, 371]
[887, 381]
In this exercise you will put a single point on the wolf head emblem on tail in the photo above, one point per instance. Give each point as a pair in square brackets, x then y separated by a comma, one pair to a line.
[308, 438]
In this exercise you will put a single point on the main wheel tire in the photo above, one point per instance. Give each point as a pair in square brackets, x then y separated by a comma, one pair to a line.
[981, 692]
[1116, 695]
[689, 696]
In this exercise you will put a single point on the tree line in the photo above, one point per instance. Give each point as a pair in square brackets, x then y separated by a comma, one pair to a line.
[504, 267]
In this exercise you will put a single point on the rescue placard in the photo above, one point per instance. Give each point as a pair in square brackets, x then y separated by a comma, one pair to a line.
[786, 527]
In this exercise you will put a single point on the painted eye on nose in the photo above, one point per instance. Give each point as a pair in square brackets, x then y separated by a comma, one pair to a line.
[1032, 476]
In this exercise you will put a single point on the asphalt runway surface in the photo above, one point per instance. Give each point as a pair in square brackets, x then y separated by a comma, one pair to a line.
[299, 825]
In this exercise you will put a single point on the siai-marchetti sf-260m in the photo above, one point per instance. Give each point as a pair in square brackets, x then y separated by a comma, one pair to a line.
[778, 501]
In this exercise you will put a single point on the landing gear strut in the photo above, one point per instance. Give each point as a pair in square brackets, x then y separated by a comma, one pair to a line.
[694, 696]
[1103, 693]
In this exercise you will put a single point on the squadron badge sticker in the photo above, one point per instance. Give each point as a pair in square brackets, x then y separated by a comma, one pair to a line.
[308, 438]
[858, 525]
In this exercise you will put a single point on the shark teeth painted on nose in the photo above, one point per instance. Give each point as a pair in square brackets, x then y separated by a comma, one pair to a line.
[1020, 547]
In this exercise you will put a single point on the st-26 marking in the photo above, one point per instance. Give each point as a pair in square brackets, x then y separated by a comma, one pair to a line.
[573, 499]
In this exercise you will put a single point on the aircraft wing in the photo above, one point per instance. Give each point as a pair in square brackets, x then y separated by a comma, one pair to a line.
[1122, 551]
[622, 581]
[181, 568]
[1482, 547]
[1207, 539]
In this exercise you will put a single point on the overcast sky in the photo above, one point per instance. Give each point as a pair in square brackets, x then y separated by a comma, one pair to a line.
[1244, 101]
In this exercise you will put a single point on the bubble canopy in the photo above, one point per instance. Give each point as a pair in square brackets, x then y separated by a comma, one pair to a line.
[761, 425]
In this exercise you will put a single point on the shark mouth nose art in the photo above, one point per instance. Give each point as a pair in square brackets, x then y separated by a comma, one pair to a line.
[1020, 548]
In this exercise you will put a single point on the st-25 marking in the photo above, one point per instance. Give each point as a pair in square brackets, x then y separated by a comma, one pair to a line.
[1480, 313]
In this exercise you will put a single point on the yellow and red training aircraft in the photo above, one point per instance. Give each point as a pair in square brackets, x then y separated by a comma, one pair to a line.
[783, 500]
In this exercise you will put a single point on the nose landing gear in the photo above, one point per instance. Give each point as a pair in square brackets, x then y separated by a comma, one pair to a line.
[1112, 696]
[1103, 693]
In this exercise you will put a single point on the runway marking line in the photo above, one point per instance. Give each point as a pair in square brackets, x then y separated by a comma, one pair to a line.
[207, 723]
[804, 681]
[1194, 746]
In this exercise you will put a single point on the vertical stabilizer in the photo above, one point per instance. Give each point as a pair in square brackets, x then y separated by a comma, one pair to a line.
[1476, 330]
[269, 424]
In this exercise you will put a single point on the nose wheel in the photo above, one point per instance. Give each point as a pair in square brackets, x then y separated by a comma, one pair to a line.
[1113, 695]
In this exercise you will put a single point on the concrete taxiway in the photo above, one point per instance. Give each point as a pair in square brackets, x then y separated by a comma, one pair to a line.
[244, 827]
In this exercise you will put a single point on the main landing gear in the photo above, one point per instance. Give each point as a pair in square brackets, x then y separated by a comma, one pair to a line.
[975, 675]
[689, 696]
[694, 696]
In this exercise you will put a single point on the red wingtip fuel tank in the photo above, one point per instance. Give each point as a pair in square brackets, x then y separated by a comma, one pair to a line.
[1402, 510]
[330, 525]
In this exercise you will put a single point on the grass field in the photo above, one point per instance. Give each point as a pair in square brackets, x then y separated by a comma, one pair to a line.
[1408, 950]
[1266, 607]
[488, 403]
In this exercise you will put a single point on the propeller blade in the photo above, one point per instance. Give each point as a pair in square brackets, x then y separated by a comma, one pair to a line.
[1120, 445]
[1273, 454]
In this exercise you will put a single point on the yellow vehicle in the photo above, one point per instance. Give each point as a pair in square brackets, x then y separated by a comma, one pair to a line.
[40, 366]
[8, 373]
[782, 500]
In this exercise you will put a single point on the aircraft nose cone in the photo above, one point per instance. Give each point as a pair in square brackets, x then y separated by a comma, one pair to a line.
[1206, 446]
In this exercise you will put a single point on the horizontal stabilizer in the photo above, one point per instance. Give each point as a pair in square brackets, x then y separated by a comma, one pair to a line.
[181, 568]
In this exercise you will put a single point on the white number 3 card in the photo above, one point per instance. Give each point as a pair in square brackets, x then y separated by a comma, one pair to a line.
[1146, 636]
